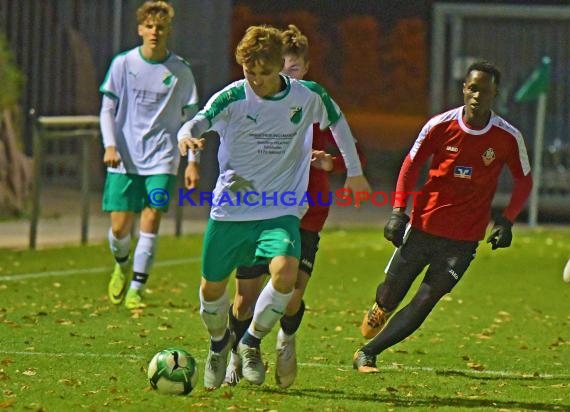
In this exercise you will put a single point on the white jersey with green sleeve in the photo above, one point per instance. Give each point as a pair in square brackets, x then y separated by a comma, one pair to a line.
[265, 147]
[151, 99]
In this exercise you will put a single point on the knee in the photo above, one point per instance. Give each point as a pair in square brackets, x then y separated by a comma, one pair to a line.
[283, 283]
[284, 273]
[211, 291]
[120, 229]
[427, 296]
[150, 220]
[121, 224]
[386, 297]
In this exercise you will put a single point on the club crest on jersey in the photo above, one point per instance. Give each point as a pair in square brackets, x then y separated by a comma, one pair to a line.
[167, 79]
[295, 114]
[488, 156]
[463, 172]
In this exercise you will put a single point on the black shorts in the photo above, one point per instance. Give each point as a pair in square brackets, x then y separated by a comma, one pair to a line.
[447, 260]
[309, 246]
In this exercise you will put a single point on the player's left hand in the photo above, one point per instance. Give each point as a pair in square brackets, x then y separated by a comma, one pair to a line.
[501, 235]
[191, 175]
[321, 160]
[360, 188]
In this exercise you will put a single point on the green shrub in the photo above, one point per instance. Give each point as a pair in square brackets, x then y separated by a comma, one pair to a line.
[12, 77]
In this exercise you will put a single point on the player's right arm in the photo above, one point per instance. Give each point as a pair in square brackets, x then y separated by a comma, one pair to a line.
[111, 88]
[190, 132]
[211, 117]
[395, 228]
[411, 166]
[111, 158]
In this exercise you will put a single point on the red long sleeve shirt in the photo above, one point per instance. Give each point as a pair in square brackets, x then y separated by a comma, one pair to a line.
[319, 185]
[455, 201]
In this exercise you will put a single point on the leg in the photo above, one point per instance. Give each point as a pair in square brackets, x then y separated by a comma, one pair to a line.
[407, 320]
[402, 325]
[448, 264]
[120, 244]
[121, 224]
[214, 305]
[279, 241]
[224, 244]
[275, 296]
[149, 224]
[121, 199]
[286, 363]
[406, 264]
[249, 281]
[270, 307]
[247, 291]
[295, 309]
[144, 256]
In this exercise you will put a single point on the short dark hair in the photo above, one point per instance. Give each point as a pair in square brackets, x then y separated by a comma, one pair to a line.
[487, 67]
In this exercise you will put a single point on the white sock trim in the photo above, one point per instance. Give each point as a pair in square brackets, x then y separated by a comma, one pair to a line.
[214, 314]
[270, 307]
[119, 247]
[145, 252]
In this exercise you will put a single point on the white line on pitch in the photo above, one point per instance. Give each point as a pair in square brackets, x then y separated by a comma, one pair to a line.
[471, 372]
[72, 272]
[503, 374]
[72, 354]
[89, 271]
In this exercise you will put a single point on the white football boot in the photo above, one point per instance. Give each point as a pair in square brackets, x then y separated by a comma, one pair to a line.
[286, 364]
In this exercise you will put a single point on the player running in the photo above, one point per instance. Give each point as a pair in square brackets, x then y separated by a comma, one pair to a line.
[145, 94]
[249, 280]
[265, 122]
[468, 147]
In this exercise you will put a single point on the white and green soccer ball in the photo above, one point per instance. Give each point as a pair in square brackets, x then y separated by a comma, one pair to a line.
[173, 371]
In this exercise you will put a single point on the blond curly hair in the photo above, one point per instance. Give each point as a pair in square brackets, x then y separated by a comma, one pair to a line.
[260, 45]
[158, 10]
[295, 42]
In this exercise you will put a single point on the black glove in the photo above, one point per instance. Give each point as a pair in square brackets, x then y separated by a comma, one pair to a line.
[396, 227]
[501, 234]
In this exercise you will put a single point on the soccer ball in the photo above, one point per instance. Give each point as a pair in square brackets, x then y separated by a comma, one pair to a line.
[173, 371]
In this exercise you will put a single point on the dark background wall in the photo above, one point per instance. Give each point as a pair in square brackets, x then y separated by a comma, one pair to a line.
[64, 48]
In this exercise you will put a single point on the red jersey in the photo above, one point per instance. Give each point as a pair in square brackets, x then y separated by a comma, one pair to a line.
[319, 185]
[455, 201]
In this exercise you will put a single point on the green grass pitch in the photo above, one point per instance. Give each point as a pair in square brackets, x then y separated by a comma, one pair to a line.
[499, 342]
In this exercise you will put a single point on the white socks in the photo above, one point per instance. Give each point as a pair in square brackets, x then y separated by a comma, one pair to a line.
[143, 258]
[215, 315]
[283, 337]
[270, 307]
[120, 249]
